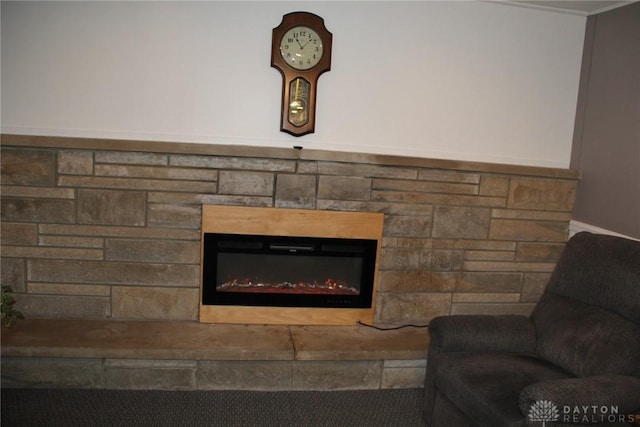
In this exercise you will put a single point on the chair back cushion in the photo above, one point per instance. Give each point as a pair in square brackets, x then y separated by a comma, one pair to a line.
[588, 319]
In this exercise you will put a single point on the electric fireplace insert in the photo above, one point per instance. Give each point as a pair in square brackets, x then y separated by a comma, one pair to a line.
[288, 271]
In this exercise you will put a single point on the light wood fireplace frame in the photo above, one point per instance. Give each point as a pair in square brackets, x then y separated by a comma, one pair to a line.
[290, 222]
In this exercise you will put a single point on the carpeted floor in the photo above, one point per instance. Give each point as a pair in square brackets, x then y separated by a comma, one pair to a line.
[123, 408]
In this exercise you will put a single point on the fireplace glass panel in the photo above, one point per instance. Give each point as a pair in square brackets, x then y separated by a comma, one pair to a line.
[289, 275]
[288, 271]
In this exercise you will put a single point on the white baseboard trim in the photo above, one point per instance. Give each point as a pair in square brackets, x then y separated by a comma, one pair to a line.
[577, 226]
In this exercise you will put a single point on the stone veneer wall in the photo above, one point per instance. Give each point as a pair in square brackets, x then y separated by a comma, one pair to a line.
[110, 229]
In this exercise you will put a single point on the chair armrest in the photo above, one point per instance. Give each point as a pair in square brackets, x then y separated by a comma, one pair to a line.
[576, 398]
[509, 333]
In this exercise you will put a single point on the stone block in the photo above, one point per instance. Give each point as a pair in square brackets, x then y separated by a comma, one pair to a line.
[489, 255]
[33, 252]
[354, 206]
[444, 176]
[72, 289]
[175, 198]
[136, 184]
[71, 241]
[537, 231]
[489, 282]
[336, 375]
[234, 163]
[295, 191]
[404, 281]
[52, 372]
[28, 167]
[15, 233]
[461, 222]
[111, 207]
[532, 252]
[531, 214]
[407, 243]
[494, 186]
[344, 188]
[174, 216]
[425, 186]
[152, 303]
[147, 250]
[23, 192]
[38, 210]
[403, 373]
[443, 281]
[114, 231]
[60, 306]
[131, 158]
[157, 172]
[470, 245]
[542, 194]
[411, 307]
[403, 259]
[13, 273]
[75, 162]
[150, 374]
[407, 226]
[365, 170]
[446, 260]
[486, 297]
[145, 274]
[233, 200]
[369, 206]
[406, 363]
[506, 266]
[246, 183]
[436, 199]
[492, 309]
[244, 375]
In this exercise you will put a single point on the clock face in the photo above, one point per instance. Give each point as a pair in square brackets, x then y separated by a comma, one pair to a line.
[301, 48]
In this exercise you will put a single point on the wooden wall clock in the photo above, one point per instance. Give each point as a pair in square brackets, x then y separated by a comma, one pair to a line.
[301, 51]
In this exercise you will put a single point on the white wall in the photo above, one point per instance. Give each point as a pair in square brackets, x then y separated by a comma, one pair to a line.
[456, 80]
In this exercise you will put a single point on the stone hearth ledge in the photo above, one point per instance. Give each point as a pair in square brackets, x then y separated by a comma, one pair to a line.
[118, 339]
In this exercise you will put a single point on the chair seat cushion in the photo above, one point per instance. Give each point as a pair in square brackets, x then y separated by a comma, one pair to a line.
[486, 386]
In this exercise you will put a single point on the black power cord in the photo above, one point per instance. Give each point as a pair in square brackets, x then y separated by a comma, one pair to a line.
[391, 328]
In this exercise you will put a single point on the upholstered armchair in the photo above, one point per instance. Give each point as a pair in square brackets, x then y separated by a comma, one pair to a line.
[575, 360]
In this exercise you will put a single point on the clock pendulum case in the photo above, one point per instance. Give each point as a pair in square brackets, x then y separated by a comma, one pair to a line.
[301, 51]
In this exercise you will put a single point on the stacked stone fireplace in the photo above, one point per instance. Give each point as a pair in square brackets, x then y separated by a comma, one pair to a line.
[108, 229]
